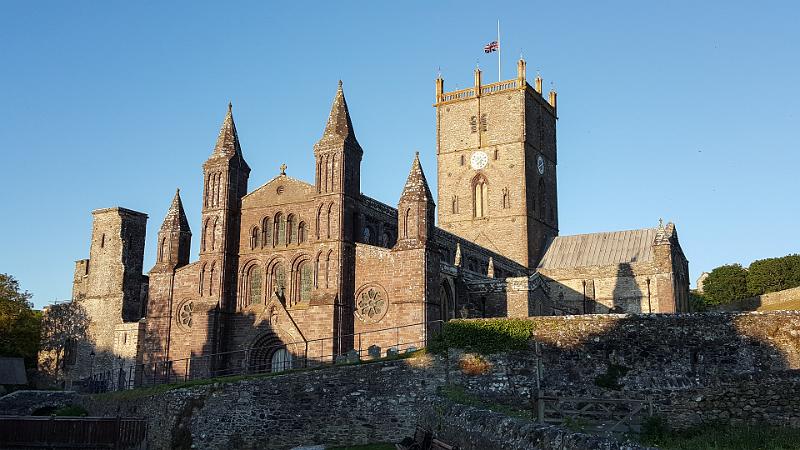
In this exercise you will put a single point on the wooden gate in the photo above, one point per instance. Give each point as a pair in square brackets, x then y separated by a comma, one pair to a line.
[616, 415]
[72, 432]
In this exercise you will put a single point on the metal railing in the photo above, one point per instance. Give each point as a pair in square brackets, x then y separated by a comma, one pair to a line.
[273, 357]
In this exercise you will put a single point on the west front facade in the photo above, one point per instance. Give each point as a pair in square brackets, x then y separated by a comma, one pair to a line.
[294, 273]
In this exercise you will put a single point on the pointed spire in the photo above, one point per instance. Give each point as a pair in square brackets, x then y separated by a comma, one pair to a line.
[176, 217]
[339, 128]
[416, 187]
[228, 139]
[490, 269]
[457, 260]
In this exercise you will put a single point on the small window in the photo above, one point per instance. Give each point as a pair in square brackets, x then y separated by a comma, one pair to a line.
[103, 240]
[301, 233]
[254, 235]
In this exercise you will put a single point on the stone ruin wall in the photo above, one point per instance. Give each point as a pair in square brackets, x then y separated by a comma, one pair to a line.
[697, 367]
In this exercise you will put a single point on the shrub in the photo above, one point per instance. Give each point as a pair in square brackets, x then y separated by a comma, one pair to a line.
[726, 284]
[71, 411]
[773, 274]
[484, 336]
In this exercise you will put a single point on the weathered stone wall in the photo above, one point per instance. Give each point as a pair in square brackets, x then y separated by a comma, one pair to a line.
[470, 428]
[695, 366]
[698, 367]
[766, 300]
[339, 406]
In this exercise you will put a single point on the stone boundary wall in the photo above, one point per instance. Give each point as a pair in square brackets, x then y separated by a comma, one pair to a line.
[752, 303]
[733, 363]
[470, 428]
[741, 367]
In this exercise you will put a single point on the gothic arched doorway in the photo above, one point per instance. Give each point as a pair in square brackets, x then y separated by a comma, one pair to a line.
[267, 351]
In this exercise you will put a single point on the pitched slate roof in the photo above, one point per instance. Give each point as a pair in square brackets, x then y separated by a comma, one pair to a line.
[599, 249]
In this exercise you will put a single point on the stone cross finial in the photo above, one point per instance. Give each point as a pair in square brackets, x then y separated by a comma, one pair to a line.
[660, 223]
[283, 169]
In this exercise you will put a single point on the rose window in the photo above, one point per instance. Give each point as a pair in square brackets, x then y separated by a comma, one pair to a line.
[185, 314]
[371, 303]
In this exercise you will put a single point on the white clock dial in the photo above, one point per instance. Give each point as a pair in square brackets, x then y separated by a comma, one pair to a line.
[540, 164]
[478, 160]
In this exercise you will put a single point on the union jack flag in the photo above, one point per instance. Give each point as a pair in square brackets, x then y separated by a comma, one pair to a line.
[491, 47]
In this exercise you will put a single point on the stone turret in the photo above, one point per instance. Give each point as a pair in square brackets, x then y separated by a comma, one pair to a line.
[415, 209]
[174, 238]
[338, 153]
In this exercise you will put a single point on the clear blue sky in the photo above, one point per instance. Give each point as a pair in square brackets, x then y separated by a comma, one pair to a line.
[681, 110]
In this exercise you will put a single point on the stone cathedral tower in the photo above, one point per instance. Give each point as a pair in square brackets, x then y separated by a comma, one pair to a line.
[496, 150]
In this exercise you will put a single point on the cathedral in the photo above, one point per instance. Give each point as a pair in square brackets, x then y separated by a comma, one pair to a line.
[293, 273]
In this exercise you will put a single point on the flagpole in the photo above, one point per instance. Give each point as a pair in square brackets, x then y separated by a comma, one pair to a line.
[498, 51]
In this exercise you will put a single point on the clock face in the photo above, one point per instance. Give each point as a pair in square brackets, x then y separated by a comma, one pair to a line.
[540, 164]
[478, 160]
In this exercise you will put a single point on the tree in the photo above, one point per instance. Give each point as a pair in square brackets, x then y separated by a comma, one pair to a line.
[773, 274]
[19, 324]
[726, 284]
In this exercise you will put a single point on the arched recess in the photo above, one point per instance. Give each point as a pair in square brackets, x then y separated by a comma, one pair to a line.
[279, 234]
[480, 196]
[254, 237]
[303, 280]
[446, 302]
[266, 232]
[277, 279]
[252, 285]
[269, 354]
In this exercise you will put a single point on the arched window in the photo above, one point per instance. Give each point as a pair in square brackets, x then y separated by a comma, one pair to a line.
[317, 269]
[291, 230]
[326, 174]
[301, 232]
[211, 275]
[280, 230]
[254, 234]
[266, 232]
[214, 234]
[163, 250]
[278, 280]
[328, 218]
[328, 269]
[304, 282]
[333, 172]
[319, 221]
[480, 196]
[319, 168]
[203, 238]
[254, 283]
[455, 204]
[386, 239]
[202, 278]
[406, 223]
[366, 235]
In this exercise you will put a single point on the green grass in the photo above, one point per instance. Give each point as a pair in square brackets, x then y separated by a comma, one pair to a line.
[130, 394]
[457, 394]
[728, 437]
